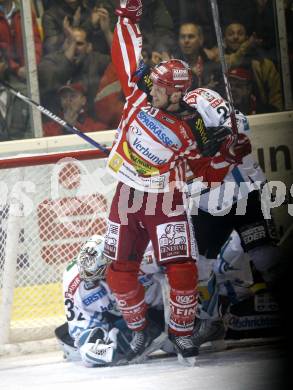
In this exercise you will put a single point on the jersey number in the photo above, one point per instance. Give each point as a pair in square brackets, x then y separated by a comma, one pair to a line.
[70, 312]
[225, 112]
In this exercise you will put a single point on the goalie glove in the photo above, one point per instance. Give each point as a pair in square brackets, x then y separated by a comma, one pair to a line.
[235, 148]
[131, 9]
[97, 347]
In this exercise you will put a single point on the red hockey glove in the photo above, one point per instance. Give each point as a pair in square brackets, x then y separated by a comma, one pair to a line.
[131, 9]
[234, 149]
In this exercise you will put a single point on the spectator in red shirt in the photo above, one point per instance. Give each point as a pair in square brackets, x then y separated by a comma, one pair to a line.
[73, 104]
[11, 36]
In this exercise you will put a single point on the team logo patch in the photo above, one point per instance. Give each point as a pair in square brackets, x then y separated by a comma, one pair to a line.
[173, 240]
[116, 162]
[111, 240]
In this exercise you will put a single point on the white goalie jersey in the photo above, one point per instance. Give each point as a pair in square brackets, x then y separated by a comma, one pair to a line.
[85, 308]
[96, 307]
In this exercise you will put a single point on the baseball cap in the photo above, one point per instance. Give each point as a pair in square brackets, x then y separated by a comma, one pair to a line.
[75, 87]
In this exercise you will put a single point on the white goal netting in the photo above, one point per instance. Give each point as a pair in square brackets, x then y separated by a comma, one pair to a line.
[47, 210]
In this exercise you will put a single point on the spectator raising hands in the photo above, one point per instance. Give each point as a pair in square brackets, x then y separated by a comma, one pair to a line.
[100, 18]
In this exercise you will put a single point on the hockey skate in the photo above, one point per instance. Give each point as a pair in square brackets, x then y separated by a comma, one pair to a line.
[145, 342]
[209, 331]
[185, 348]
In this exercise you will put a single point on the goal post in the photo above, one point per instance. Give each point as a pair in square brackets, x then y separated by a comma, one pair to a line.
[49, 205]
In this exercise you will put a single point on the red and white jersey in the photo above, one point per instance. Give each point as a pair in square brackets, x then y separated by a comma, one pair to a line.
[152, 146]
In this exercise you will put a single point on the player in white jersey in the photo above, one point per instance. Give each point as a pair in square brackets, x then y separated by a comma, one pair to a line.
[236, 204]
[95, 331]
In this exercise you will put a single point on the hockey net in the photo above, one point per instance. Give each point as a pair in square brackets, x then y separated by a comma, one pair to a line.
[49, 205]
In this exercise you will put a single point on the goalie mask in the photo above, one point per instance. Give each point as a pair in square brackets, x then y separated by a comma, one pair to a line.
[91, 261]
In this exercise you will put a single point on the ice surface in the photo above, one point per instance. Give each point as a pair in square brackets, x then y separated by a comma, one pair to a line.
[250, 368]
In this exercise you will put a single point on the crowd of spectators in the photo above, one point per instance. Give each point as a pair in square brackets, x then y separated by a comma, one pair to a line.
[78, 81]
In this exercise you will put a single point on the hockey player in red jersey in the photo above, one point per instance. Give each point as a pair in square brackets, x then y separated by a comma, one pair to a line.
[155, 141]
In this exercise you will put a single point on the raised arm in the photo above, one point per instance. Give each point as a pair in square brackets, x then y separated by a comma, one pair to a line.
[127, 44]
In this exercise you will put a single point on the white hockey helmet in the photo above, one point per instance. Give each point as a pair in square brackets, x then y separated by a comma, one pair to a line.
[91, 261]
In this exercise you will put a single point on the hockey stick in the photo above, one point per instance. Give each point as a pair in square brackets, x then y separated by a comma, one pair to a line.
[54, 117]
[216, 18]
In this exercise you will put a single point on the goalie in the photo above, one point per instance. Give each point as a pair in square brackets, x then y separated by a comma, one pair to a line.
[95, 331]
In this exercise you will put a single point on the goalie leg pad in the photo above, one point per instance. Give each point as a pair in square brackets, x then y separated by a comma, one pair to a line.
[122, 279]
[66, 343]
[71, 353]
[183, 297]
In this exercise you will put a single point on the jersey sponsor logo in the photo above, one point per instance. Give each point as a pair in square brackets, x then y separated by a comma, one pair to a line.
[97, 295]
[200, 127]
[73, 286]
[205, 94]
[157, 182]
[162, 133]
[147, 153]
[216, 103]
[111, 240]
[167, 119]
[173, 240]
[185, 299]
[184, 312]
[191, 98]
[180, 74]
[116, 162]
[253, 234]
[187, 325]
[141, 166]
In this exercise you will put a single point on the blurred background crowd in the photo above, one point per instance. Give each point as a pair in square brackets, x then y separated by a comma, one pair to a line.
[77, 81]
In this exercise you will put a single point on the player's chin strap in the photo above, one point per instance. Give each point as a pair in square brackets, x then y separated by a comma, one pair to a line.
[54, 117]
[224, 66]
